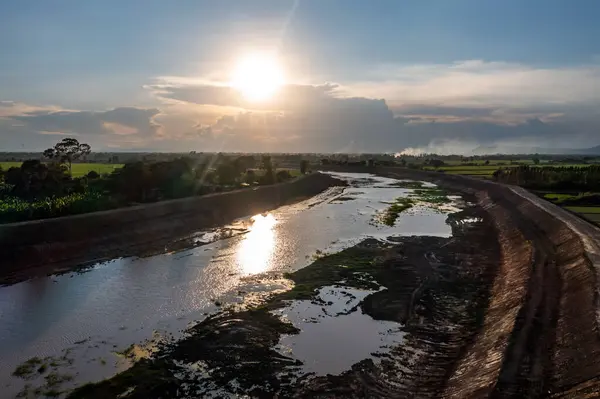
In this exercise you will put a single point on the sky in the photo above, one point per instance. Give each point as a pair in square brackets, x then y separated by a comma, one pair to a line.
[358, 76]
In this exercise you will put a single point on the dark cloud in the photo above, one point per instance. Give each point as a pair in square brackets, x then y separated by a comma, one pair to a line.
[306, 118]
[441, 110]
[321, 118]
[90, 122]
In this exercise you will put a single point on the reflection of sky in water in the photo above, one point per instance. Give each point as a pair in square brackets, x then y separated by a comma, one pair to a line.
[122, 301]
[256, 250]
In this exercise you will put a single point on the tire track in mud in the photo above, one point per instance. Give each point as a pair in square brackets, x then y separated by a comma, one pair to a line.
[551, 346]
[528, 356]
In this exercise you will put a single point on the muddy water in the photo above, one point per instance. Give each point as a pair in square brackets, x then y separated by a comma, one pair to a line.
[84, 319]
[333, 326]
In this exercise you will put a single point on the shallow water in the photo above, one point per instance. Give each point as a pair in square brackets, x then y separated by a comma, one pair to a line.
[91, 315]
[335, 334]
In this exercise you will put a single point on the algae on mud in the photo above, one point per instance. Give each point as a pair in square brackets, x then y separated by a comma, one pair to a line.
[435, 286]
[429, 197]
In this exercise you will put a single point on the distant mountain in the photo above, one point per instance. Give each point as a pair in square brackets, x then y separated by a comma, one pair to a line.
[495, 149]
[590, 151]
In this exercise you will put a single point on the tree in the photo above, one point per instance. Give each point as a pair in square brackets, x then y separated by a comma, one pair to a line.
[283, 175]
[303, 166]
[226, 173]
[67, 151]
[250, 176]
[536, 160]
[267, 165]
[436, 163]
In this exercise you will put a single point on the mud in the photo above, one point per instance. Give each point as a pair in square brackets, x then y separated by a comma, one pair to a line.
[540, 330]
[433, 288]
[505, 307]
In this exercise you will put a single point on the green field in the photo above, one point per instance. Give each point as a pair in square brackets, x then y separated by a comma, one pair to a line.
[79, 169]
[482, 170]
[590, 213]
[584, 210]
[592, 217]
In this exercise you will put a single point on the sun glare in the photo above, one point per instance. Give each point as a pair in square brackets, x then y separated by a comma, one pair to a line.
[257, 77]
[255, 252]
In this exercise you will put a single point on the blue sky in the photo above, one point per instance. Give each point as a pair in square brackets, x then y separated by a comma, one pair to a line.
[487, 68]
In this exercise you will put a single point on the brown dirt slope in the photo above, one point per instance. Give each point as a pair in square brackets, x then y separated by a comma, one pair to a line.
[540, 335]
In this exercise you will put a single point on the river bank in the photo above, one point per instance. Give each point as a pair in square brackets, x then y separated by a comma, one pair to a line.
[506, 307]
[418, 285]
[41, 247]
[502, 305]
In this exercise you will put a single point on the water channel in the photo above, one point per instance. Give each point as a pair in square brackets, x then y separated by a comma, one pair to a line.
[81, 322]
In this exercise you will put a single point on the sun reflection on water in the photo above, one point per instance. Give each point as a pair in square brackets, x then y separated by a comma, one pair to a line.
[255, 251]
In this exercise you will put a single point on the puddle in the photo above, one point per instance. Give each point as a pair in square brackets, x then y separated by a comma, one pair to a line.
[335, 333]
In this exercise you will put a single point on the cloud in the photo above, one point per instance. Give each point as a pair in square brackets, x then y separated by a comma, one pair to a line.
[26, 125]
[480, 83]
[332, 117]
[290, 97]
[453, 107]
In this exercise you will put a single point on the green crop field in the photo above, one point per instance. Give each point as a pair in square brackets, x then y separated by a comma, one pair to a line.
[482, 170]
[591, 213]
[584, 209]
[79, 169]
[592, 217]
[558, 197]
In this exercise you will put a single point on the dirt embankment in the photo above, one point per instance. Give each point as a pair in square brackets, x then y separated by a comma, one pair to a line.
[539, 335]
[45, 246]
[506, 307]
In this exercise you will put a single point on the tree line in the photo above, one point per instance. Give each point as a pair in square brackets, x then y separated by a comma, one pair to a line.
[41, 189]
[560, 178]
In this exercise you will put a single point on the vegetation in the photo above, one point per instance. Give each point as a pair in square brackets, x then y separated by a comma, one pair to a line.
[429, 197]
[68, 150]
[391, 214]
[36, 189]
[585, 209]
[552, 178]
[77, 169]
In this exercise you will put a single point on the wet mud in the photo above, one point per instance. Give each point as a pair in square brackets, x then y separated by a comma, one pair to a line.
[433, 289]
[505, 307]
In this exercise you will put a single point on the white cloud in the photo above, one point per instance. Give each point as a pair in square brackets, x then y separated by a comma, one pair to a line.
[446, 107]
[481, 84]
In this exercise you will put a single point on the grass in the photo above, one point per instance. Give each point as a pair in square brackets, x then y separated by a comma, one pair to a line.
[584, 209]
[583, 204]
[27, 368]
[592, 217]
[558, 197]
[590, 213]
[392, 213]
[430, 197]
[79, 169]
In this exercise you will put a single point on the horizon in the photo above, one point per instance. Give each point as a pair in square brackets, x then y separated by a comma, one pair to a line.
[300, 77]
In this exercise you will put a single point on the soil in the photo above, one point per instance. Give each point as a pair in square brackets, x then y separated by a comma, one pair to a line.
[506, 307]
[437, 288]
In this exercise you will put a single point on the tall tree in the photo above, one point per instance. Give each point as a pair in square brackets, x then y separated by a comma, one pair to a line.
[303, 166]
[67, 151]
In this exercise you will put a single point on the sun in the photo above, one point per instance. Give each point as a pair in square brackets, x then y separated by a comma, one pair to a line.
[257, 77]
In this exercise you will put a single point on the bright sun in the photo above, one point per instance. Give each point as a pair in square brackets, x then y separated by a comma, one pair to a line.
[257, 77]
